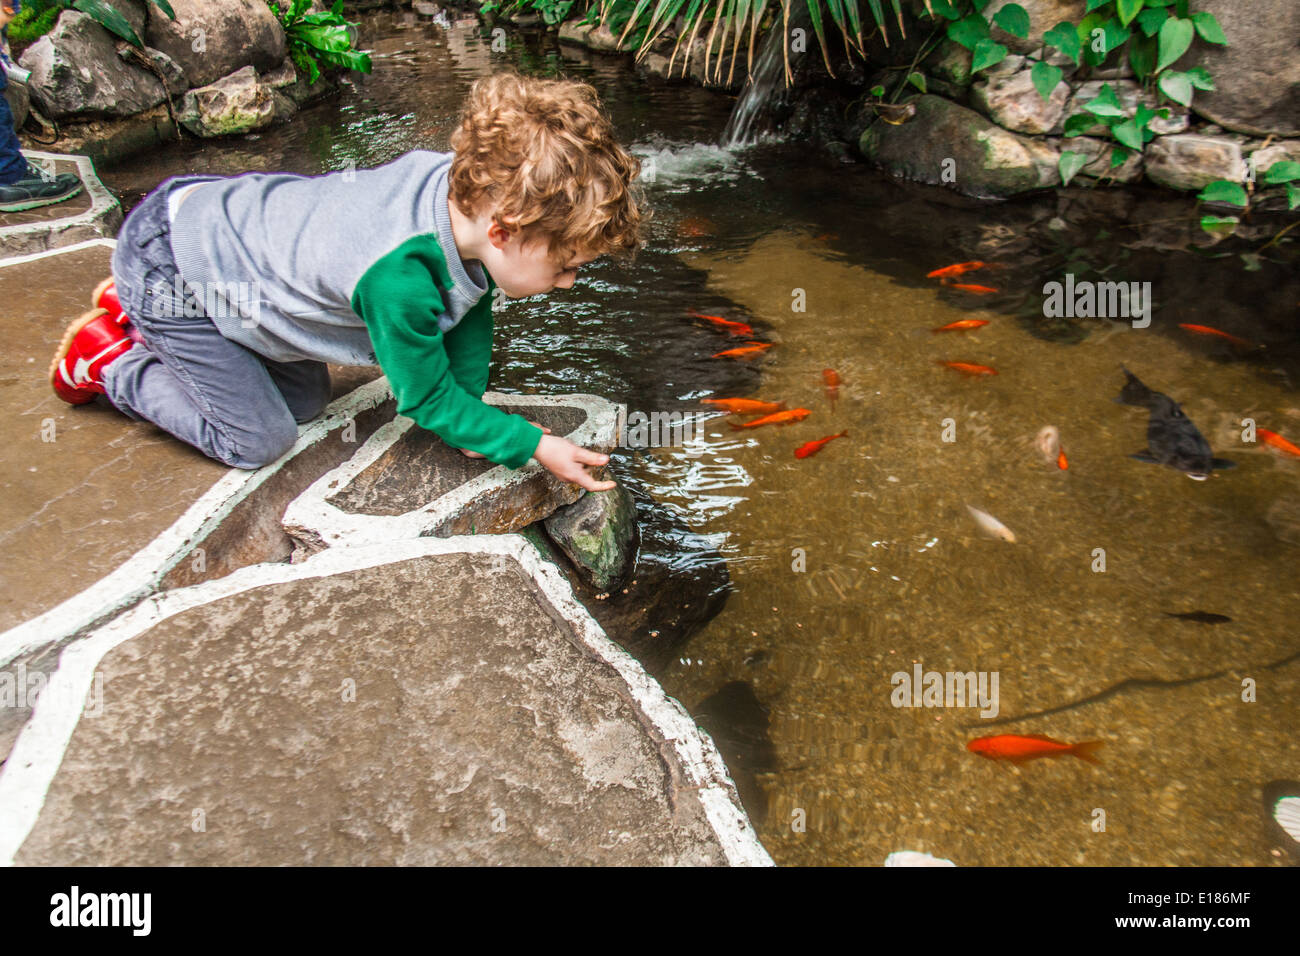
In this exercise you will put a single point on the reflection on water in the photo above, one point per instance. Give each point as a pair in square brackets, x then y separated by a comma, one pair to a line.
[863, 561]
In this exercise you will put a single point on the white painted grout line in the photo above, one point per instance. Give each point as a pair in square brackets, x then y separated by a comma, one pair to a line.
[58, 251]
[144, 570]
[312, 517]
[38, 753]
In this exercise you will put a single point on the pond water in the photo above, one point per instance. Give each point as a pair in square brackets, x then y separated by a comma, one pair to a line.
[862, 562]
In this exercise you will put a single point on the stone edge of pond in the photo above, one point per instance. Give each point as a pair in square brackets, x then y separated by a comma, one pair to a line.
[101, 220]
[37, 755]
[314, 522]
[146, 571]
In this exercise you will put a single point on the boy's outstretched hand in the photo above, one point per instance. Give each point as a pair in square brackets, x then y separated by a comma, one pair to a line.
[568, 462]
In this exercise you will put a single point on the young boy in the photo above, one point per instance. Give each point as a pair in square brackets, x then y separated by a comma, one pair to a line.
[229, 295]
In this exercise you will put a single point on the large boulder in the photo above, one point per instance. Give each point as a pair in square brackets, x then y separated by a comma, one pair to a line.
[235, 104]
[214, 38]
[76, 70]
[19, 102]
[1257, 75]
[598, 533]
[947, 144]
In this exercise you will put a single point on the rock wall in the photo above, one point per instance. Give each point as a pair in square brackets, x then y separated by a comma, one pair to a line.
[222, 64]
[1003, 138]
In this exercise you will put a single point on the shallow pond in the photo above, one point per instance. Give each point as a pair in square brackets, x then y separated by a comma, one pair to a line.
[862, 562]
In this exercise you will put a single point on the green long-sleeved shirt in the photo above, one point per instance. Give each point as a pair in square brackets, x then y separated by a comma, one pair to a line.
[438, 377]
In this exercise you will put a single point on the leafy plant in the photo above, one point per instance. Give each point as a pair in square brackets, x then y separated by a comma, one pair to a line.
[1156, 39]
[320, 38]
[38, 18]
[1226, 192]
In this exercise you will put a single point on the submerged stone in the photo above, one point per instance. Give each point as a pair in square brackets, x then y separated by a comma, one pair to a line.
[599, 534]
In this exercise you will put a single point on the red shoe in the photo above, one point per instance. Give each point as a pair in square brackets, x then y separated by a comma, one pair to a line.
[90, 343]
[105, 297]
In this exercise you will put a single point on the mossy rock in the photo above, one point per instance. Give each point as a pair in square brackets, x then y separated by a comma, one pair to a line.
[947, 144]
[599, 534]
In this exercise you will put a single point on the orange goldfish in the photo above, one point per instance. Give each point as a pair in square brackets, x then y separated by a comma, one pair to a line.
[1277, 441]
[696, 226]
[1061, 462]
[968, 368]
[975, 289]
[778, 418]
[813, 447]
[735, 328]
[1018, 749]
[832, 380]
[1206, 330]
[744, 406]
[961, 325]
[744, 351]
[954, 270]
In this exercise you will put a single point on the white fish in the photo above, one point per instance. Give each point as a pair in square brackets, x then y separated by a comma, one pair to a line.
[991, 525]
[912, 858]
[1049, 444]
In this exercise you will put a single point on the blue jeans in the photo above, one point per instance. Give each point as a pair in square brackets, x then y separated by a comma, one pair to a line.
[13, 166]
[229, 402]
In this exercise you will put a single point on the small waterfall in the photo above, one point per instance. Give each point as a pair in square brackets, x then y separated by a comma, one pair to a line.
[750, 120]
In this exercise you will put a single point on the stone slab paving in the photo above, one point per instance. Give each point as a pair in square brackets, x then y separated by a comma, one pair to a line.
[405, 483]
[93, 214]
[421, 702]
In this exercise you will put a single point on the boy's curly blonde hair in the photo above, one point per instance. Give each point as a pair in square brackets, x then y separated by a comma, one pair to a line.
[541, 152]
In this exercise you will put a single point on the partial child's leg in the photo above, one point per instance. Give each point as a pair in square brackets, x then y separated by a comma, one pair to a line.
[304, 385]
[191, 381]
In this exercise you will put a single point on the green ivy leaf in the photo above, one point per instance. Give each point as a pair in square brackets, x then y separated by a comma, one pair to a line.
[917, 80]
[877, 91]
[1128, 133]
[1282, 172]
[1118, 157]
[1014, 19]
[1208, 27]
[1045, 77]
[1069, 164]
[986, 54]
[1127, 10]
[1220, 226]
[1200, 78]
[1224, 190]
[1175, 38]
[1177, 86]
[1292, 195]
[1065, 38]
[1094, 4]
[969, 32]
[1142, 56]
[945, 9]
[1079, 123]
[1143, 118]
[1106, 103]
[1151, 20]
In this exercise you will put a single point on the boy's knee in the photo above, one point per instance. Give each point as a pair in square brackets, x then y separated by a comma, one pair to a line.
[258, 449]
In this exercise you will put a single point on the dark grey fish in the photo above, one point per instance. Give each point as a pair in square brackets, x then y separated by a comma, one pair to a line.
[1172, 439]
[738, 724]
[1201, 617]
